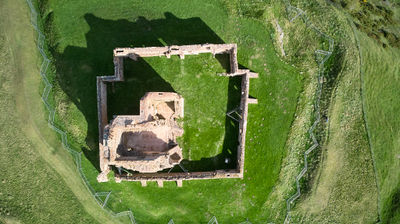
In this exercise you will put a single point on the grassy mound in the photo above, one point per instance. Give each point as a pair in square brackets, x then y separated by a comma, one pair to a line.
[82, 36]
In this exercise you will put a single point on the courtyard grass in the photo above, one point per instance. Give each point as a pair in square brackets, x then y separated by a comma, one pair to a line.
[82, 36]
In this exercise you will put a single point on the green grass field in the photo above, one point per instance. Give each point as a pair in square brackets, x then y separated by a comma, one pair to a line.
[353, 178]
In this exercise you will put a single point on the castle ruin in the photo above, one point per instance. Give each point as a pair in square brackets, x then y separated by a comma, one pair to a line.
[146, 143]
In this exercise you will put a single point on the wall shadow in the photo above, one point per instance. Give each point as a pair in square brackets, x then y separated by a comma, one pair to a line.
[227, 159]
[394, 207]
[123, 97]
[77, 68]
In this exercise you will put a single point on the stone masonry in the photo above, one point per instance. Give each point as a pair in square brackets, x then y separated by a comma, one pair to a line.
[146, 142]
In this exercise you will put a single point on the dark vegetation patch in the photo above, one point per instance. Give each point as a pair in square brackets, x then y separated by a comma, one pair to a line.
[376, 19]
[394, 204]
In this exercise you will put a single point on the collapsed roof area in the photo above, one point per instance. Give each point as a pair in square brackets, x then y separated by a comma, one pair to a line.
[146, 143]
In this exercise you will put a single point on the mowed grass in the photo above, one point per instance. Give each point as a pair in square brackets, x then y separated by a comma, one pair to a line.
[82, 36]
[35, 186]
[381, 69]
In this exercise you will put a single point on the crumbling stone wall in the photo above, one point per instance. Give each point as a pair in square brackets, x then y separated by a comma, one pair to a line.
[181, 51]
[146, 142]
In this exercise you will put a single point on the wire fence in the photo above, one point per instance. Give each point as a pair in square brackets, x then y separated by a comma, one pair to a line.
[103, 197]
[100, 197]
[321, 56]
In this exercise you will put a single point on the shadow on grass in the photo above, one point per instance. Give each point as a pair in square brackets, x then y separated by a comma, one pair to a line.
[392, 213]
[228, 157]
[77, 68]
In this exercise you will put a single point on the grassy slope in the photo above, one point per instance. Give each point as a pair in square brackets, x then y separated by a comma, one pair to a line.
[381, 85]
[299, 45]
[377, 25]
[32, 191]
[339, 196]
[85, 34]
[344, 186]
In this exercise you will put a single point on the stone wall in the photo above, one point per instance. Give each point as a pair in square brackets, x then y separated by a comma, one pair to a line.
[218, 174]
[183, 50]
